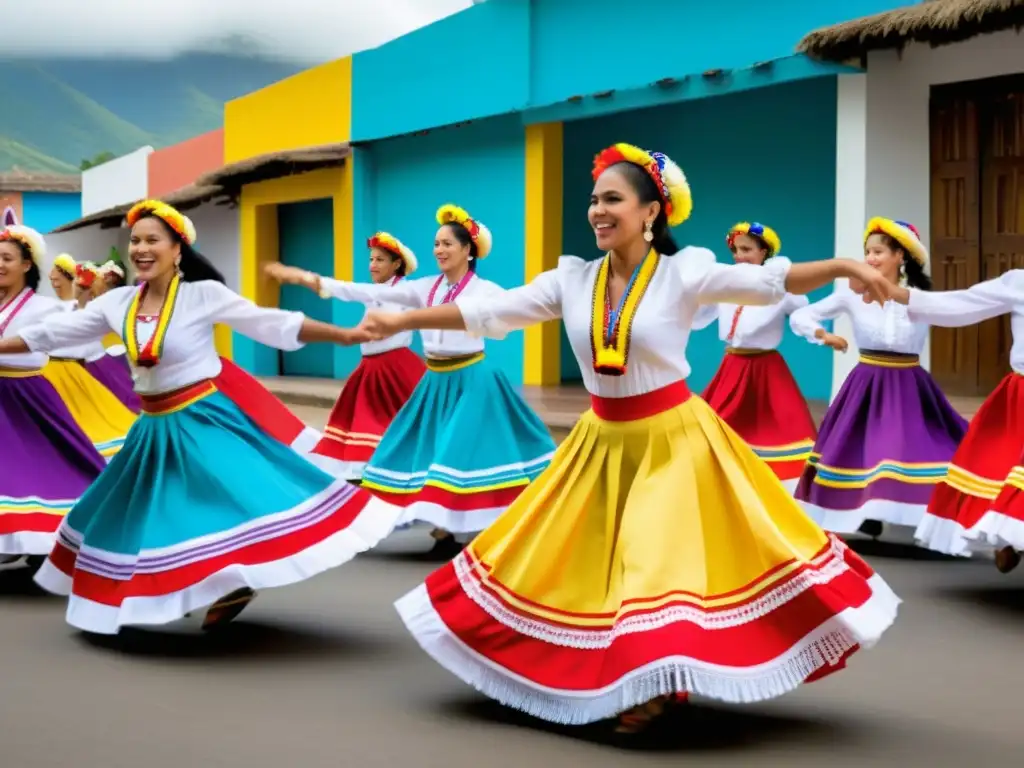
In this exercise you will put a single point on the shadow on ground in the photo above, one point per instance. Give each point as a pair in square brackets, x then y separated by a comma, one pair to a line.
[690, 728]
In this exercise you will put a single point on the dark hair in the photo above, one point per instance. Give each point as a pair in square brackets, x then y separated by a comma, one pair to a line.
[32, 277]
[461, 234]
[400, 272]
[194, 266]
[647, 191]
[761, 243]
[916, 276]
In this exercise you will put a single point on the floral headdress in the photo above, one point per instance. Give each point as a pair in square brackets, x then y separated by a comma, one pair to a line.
[31, 240]
[765, 234]
[170, 216]
[481, 235]
[86, 273]
[903, 233]
[65, 262]
[668, 177]
[393, 245]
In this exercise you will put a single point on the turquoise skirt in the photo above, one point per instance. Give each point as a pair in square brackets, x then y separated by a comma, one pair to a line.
[199, 503]
[462, 449]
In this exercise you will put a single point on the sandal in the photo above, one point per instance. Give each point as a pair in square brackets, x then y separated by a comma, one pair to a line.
[227, 608]
[639, 718]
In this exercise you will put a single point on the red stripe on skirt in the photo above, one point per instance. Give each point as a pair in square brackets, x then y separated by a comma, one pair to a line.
[258, 403]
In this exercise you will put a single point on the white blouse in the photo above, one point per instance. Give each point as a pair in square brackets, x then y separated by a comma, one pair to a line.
[983, 301]
[398, 341]
[189, 354]
[757, 327]
[90, 351]
[663, 320]
[413, 294]
[882, 329]
[33, 311]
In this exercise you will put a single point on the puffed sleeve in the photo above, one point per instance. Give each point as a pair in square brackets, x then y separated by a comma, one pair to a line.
[494, 314]
[747, 284]
[60, 328]
[980, 302]
[404, 293]
[274, 327]
[706, 315]
[806, 321]
[793, 302]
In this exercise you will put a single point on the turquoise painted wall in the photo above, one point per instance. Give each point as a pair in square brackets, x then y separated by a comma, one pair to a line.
[470, 65]
[514, 55]
[766, 155]
[479, 166]
[45, 211]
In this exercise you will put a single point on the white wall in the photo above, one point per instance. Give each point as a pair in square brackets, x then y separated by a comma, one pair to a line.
[86, 244]
[890, 111]
[121, 181]
[217, 239]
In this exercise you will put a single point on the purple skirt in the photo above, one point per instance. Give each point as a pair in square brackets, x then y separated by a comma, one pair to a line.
[48, 464]
[115, 375]
[884, 444]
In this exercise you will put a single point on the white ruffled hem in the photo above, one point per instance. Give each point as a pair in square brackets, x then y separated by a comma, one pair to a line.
[861, 626]
[373, 524]
[449, 520]
[849, 521]
[351, 471]
[27, 543]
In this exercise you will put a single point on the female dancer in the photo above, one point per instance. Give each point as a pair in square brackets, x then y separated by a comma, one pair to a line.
[465, 445]
[887, 438]
[201, 506]
[62, 277]
[753, 390]
[657, 554]
[48, 461]
[981, 501]
[384, 380]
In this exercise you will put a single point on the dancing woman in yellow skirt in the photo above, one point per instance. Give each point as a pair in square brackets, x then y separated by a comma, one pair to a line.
[657, 555]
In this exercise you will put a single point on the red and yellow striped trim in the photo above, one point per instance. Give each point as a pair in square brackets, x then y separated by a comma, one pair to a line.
[178, 400]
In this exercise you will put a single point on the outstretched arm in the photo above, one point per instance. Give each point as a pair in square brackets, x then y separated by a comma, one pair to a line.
[957, 309]
[806, 322]
[61, 328]
[403, 293]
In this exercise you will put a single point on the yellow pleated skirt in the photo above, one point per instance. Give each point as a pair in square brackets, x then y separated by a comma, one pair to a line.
[655, 555]
[104, 419]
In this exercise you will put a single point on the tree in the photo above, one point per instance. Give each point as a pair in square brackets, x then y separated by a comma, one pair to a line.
[100, 159]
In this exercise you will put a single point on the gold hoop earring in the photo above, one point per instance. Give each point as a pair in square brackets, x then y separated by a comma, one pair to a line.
[177, 268]
[648, 231]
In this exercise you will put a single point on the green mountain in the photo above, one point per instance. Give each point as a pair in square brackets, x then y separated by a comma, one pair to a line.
[58, 112]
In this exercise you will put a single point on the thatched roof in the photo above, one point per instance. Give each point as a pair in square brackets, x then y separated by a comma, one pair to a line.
[936, 22]
[27, 181]
[182, 199]
[274, 165]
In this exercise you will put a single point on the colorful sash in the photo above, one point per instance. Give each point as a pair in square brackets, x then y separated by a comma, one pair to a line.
[25, 296]
[611, 331]
[150, 354]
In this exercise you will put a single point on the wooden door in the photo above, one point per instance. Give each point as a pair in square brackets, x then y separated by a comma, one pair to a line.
[1002, 215]
[955, 251]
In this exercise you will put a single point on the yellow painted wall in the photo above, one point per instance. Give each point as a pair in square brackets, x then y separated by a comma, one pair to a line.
[543, 226]
[310, 108]
[258, 238]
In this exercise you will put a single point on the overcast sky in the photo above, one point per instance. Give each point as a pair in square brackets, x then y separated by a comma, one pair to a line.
[301, 30]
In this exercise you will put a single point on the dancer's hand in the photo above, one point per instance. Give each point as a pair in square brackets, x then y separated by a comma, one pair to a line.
[350, 337]
[838, 343]
[382, 324]
[871, 284]
[275, 270]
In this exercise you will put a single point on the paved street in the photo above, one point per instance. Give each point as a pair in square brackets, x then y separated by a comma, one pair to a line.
[324, 675]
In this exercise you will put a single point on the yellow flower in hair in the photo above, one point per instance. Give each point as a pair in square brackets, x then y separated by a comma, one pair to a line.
[66, 264]
[766, 234]
[902, 232]
[170, 215]
[388, 242]
[668, 178]
[31, 240]
[478, 233]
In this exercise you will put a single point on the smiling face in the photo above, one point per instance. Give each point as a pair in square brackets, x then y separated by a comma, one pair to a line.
[451, 254]
[153, 251]
[383, 265]
[748, 250]
[880, 254]
[617, 214]
[13, 267]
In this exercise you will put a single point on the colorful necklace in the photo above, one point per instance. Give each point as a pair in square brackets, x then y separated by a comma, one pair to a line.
[152, 351]
[611, 329]
[453, 291]
[25, 296]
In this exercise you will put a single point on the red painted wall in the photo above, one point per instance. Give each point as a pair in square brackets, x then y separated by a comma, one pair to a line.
[179, 165]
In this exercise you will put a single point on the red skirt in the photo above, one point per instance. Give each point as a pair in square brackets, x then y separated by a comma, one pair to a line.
[372, 396]
[755, 394]
[260, 405]
[981, 497]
